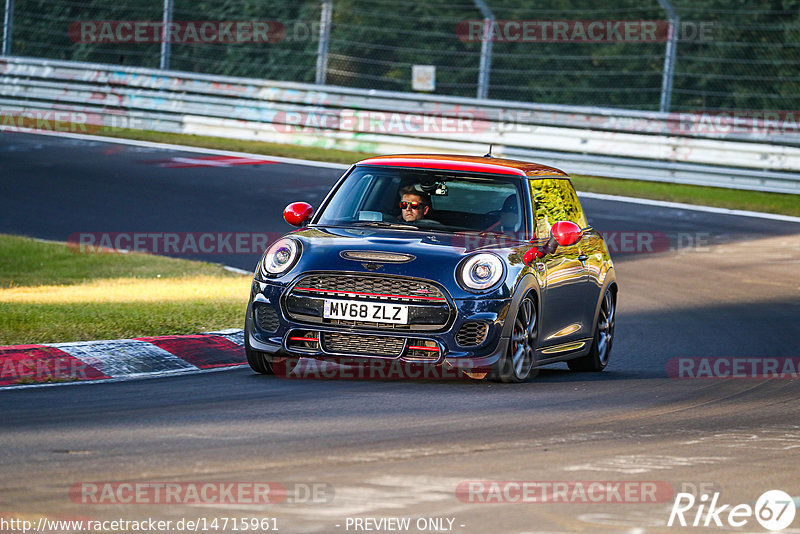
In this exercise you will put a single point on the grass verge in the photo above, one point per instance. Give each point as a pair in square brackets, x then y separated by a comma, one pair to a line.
[49, 294]
[785, 204]
[736, 199]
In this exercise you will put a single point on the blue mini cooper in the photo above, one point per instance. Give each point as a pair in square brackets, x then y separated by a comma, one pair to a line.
[480, 264]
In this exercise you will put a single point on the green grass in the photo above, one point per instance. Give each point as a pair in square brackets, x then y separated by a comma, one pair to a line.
[30, 262]
[23, 324]
[709, 196]
[49, 293]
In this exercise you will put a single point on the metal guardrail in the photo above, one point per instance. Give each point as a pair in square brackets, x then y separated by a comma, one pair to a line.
[607, 142]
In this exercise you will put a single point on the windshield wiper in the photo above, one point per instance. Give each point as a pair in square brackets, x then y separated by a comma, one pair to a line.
[385, 224]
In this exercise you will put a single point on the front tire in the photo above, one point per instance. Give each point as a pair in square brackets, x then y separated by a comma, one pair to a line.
[517, 364]
[597, 359]
[257, 360]
[260, 362]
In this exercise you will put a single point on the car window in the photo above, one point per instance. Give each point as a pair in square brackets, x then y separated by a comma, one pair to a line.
[572, 206]
[546, 199]
[458, 202]
[554, 200]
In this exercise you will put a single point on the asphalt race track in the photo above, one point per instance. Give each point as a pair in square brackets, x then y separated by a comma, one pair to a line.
[722, 286]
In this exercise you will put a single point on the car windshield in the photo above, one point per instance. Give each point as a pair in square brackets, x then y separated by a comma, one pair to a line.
[433, 200]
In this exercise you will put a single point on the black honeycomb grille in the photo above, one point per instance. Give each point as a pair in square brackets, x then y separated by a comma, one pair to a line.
[365, 345]
[472, 333]
[370, 287]
[267, 318]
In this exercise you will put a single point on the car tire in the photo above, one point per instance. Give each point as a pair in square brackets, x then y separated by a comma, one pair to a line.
[518, 362]
[280, 364]
[257, 360]
[597, 358]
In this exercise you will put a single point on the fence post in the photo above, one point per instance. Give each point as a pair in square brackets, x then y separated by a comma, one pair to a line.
[669, 56]
[486, 49]
[8, 20]
[166, 49]
[324, 37]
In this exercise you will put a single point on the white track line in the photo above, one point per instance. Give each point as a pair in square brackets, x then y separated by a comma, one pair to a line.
[236, 270]
[310, 163]
[184, 148]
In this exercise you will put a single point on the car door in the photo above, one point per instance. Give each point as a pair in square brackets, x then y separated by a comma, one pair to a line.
[566, 313]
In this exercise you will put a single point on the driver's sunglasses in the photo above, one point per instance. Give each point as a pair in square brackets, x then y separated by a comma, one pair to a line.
[412, 205]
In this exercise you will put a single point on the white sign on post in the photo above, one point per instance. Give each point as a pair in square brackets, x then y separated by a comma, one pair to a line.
[423, 77]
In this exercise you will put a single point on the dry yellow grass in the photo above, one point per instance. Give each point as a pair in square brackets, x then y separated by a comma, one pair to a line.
[50, 294]
[119, 290]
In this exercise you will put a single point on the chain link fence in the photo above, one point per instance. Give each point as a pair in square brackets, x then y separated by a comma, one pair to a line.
[728, 55]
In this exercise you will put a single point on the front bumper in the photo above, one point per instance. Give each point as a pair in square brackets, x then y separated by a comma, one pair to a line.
[271, 331]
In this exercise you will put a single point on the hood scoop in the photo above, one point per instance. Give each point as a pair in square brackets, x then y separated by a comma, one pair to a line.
[376, 256]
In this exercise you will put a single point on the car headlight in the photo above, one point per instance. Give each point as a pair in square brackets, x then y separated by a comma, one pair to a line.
[481, 271]
[279, 258]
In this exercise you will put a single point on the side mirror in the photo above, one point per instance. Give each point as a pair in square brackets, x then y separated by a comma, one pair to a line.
[566, 233]
[562, 234]
[298, 213]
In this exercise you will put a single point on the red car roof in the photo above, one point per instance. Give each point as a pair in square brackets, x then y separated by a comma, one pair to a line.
[466, 164]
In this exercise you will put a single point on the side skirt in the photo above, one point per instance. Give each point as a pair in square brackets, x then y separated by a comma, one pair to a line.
[563, 352]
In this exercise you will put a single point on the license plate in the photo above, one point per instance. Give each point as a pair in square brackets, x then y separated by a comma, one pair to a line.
[365, 311]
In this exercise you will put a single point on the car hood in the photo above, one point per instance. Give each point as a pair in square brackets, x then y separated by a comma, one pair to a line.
[417, 242]
[435, 254]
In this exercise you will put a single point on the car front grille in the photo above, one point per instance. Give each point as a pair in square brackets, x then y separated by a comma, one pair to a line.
[429, 309]
[370, 287]
[472, 333]
[364, 345]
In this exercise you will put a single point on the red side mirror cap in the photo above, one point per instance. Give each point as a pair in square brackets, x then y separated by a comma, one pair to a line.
[298, 213]
[566, 233]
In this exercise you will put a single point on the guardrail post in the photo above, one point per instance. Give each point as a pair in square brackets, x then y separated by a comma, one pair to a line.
[486, 49]
[8, 20]
[324, 38]
[166, 49]
[669, 57]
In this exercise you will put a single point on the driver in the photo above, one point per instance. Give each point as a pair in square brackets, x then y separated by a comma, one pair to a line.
[414, 205]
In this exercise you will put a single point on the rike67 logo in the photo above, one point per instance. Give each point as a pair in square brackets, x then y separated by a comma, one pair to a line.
[774, 510]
